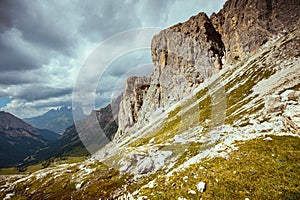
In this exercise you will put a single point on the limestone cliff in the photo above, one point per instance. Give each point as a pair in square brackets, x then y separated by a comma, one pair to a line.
[186, 54]
[132, 102]
[246, 25]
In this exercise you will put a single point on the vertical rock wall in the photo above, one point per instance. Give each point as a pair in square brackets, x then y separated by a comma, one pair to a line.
[186, 54]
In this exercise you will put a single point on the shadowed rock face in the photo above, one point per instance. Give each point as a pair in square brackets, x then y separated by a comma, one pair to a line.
[19, 140]
[186, 54]
[132, 102]
[246, 25]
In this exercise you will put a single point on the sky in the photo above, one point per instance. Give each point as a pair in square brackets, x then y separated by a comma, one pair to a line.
[45, 47]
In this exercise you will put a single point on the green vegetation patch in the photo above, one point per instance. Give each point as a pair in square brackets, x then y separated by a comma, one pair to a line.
[258, 170]
[180, 120]
[52, 162]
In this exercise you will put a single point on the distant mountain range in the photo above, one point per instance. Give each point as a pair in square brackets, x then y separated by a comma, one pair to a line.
[99, 126]
[23, 144]
[56, 120]
[18, 140]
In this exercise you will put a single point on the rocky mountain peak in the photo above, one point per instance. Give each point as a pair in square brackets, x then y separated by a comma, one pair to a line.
[246, 25]
[184, 56]
[188, 53]
[19, 139]
[9, 120]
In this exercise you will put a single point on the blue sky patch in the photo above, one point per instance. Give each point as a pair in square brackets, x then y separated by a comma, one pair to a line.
[4, 101]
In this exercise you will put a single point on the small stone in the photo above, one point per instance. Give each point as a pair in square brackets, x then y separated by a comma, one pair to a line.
[192, 192]
[9, 196]
[142, 198]
[151, 184]
[201, 187]
[178, 139]
[78, 186]
[267, 139]
[152, 140]
[185, 179]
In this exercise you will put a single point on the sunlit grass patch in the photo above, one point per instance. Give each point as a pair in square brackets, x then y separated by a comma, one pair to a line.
[258, 170]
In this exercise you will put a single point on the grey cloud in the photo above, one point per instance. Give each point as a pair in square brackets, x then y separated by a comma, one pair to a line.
[15, 54]
[154, 12]
[41, 40]
[34, 92]
[17, 78]
[3, 94]
[107, 18]
[40, 23]
[128, 62]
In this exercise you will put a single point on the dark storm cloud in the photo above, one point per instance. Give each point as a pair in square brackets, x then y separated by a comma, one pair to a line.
[32, 33]
[34, 93]
[43, 43]
[15, 54]
[17, 78]
[41, 24]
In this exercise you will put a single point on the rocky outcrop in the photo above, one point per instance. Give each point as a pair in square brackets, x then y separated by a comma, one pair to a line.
[287, 105]
[132, 102]
[246, 25]
[186, 54]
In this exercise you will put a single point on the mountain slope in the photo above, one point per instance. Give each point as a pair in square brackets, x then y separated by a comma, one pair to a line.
[187, 54]
[99, 122]
[261, 97]
[232, 132]
[19, 139]
[180, 150]
[55, 120]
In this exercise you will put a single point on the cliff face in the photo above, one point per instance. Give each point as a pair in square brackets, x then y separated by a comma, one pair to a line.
[132, 102]
[246, 25]
[186, 54]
